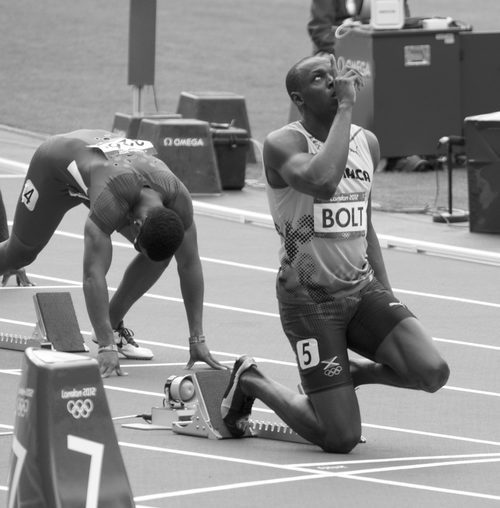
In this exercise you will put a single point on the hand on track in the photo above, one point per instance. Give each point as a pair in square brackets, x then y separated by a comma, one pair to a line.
[109, 363]
[21, 278]
[199, 352]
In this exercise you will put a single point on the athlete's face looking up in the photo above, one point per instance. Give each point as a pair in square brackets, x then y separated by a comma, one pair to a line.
[318, 84]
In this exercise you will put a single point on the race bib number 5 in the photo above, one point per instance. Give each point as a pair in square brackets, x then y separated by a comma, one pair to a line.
[344, 216]
[29, 196]
[307, 353]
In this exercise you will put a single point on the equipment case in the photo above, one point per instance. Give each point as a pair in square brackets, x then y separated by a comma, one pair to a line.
[231, 146]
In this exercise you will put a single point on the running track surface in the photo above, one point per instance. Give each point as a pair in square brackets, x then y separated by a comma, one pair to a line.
[439, 450]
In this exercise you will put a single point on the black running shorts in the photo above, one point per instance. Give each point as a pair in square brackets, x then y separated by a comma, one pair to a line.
[321, 334]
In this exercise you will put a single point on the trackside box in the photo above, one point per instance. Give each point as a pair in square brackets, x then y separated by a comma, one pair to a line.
[482, 143]
[128, 125]
[231, 146]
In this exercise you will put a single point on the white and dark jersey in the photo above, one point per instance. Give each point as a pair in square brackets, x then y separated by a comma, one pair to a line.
[323, 242]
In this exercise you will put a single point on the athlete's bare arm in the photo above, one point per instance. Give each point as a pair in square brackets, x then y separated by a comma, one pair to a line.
[286, 159]
[318, 175]
[96, 262]
[192, 288]
[374, 252]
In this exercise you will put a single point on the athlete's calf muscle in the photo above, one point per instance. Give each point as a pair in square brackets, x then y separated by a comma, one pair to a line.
[14, 254]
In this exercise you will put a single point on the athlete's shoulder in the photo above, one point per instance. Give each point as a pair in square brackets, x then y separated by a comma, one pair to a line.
[290, 135]
[370, 136]
[286, 130]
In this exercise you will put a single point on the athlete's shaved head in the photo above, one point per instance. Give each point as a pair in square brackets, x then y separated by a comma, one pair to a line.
[161, 234]
[294, 80]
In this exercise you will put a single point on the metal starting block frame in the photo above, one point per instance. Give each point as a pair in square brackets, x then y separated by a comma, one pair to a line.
[56, 328]
[17, 342]
[279, 431]
[165, 417]
[206, 420]
[202, 416]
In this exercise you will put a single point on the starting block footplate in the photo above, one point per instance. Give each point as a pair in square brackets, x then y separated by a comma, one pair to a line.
[56, 328]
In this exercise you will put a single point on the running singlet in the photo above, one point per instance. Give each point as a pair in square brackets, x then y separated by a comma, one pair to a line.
[135, 169]
[323, 243]
[111, 208]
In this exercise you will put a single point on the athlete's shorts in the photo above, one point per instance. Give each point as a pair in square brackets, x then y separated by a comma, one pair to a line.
[321, 334]
[44, 198]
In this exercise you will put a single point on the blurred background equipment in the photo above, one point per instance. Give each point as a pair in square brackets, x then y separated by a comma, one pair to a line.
[185, 146]
[482, 142]
[450, 214]
[141, 48]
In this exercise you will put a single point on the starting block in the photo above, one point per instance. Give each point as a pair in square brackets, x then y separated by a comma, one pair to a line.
[206, 419]
[57, 323]
[279, 431]
[64, 449]
[17, 342]
[201, 416]
[57, 326]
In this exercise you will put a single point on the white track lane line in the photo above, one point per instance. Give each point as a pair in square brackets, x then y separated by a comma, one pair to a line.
[317, 474]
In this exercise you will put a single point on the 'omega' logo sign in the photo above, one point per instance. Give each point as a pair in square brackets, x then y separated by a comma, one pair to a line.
[189, 142]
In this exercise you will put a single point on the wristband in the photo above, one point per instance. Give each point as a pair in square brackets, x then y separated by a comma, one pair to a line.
[196, 339]
[110, 347]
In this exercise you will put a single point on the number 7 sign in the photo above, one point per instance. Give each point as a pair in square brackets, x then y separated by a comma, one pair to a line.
[65, 451]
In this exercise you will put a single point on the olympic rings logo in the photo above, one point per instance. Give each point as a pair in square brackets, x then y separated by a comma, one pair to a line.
[333, 371]
[80, 408]
[22, 407]
[332, 367]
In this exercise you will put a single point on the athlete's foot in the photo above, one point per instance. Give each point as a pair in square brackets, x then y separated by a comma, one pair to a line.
[127, 346]
[236, 406]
